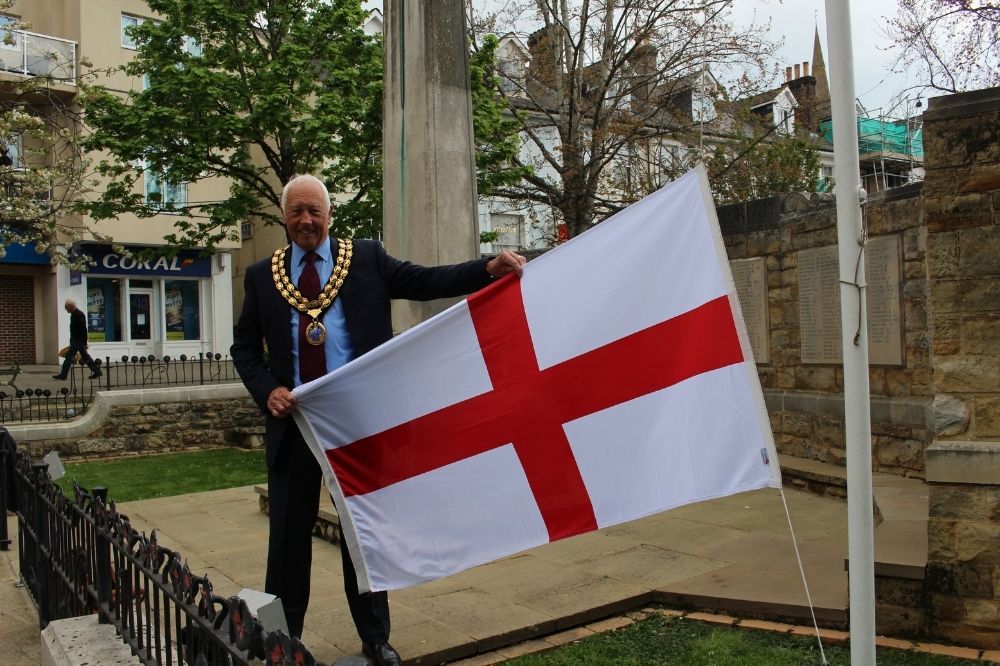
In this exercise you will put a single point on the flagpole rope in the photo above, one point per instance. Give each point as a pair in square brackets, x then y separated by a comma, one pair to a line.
[802, 572]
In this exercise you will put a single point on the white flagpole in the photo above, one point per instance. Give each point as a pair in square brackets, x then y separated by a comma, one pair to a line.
[857, 415]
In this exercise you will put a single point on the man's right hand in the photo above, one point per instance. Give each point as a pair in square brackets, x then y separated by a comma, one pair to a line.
[281, 402]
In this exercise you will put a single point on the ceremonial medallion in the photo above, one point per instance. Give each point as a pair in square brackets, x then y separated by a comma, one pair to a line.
[315, 333]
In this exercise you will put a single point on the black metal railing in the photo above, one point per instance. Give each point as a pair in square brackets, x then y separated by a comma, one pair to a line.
[130, 372]
[80, 556]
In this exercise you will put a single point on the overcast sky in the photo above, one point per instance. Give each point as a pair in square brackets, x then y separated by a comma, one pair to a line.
[795, 21]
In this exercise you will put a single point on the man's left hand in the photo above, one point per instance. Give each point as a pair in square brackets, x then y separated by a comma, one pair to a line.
[504, 263]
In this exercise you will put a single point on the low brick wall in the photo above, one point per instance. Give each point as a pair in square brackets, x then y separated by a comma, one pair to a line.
[151, 421]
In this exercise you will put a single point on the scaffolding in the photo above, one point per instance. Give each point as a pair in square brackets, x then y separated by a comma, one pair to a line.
[890, 151]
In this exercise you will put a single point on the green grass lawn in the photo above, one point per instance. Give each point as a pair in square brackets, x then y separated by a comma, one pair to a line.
[658, 639]
[143, 477]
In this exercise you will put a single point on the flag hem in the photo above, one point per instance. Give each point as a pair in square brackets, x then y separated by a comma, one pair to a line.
[749, 363]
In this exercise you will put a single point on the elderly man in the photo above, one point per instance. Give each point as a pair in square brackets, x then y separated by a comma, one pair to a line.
[313, 306]
[77, 342]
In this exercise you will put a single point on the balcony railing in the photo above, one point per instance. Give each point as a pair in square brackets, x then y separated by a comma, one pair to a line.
[32, 54]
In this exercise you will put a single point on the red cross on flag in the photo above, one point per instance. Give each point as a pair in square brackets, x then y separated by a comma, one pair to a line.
[612, 381]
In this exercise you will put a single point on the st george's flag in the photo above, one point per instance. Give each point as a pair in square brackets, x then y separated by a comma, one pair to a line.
[611, 381]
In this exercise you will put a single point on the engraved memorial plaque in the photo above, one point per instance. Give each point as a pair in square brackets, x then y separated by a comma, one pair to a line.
[750, 276]
[819, 303]
[884, 307]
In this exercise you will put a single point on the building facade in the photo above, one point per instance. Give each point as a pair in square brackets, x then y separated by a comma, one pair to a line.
[163, 305]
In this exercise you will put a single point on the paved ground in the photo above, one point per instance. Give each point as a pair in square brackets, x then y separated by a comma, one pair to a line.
[734, 554]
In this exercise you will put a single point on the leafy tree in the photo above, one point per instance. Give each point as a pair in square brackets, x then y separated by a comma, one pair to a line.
[953, 44]
[43, 172]
[252, 92]
[756, 167]
[612, 82]
[496, 134]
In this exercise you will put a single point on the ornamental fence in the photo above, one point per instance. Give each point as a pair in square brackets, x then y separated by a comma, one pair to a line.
[19, 403]
[79, 556]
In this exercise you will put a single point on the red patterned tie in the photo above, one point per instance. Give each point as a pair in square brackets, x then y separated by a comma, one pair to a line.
[312, 358]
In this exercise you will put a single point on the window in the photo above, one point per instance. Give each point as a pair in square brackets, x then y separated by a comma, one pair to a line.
[129, 22]
[510, 75]
[825, 179]
[162, 194]
[246, 230]
[786, 122]
[10, 40]
[104, 309]
[702, 107]
[192, 47]
[180, 309]
[11, 148]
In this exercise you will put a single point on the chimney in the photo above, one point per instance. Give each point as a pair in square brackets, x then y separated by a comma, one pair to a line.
[643, 68]
[543, 68]
[805, 68]
[788, 73]
[798, 72]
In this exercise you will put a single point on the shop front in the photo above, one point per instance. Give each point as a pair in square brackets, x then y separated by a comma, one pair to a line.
[162, 305]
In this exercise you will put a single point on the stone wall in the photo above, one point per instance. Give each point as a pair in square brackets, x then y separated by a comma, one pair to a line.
[962, 209]
[945, 382]
[962, 585]
[805, 400]
[962, 203]
[151, 421]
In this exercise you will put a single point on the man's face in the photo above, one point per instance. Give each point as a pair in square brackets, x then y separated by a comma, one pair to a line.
[306, 214]
[69, 307]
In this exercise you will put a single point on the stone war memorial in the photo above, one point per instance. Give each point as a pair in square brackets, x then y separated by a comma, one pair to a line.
[932, 265]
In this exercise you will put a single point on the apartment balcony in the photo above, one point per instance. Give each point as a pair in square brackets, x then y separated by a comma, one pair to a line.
[32, 54]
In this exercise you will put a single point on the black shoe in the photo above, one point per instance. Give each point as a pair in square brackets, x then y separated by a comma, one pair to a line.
[96, 374]
[381, 654]
[59, 377]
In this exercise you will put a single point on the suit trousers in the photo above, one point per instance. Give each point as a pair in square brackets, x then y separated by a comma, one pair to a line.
[293, 485]
[80, 347]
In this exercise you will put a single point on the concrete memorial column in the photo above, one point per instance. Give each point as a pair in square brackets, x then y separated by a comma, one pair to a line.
[429, 190]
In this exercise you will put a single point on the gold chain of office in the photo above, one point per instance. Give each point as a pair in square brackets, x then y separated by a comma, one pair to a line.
[315, 332]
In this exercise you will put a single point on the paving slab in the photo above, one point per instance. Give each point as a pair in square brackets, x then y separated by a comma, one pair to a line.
[732, 554]
[755, 593]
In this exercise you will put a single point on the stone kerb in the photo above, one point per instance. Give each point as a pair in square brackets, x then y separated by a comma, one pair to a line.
[963, 568]
[150, 421]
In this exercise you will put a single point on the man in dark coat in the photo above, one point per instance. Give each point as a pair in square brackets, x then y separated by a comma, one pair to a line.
[291, 331]
[77, 342]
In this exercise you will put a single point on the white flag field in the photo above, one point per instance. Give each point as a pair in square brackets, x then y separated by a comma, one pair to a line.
[611, 381]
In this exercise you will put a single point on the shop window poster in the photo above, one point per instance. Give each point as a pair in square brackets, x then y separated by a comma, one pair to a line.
[174, 314]
[95, 314]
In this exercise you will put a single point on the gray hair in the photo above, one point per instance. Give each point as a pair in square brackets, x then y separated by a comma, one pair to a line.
[306, 177]
[69, 302]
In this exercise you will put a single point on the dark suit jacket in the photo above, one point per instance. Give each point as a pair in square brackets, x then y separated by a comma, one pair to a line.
[78, 328]
[372, 280]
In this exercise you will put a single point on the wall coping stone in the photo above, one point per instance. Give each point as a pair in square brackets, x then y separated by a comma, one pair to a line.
[971, 103]
[908, 191]
[83, 640]
[957, 461]
[105, 401]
